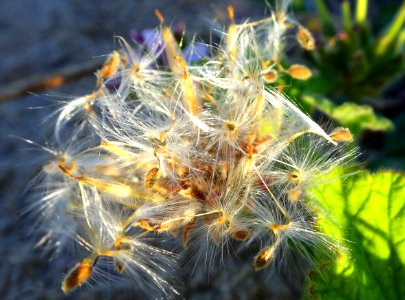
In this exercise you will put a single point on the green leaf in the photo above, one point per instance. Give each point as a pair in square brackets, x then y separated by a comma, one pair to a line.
[325, 16]
[367, 212]
[356, 117]
[393, 32]
[361, 11]
[346, 16]
[323, 104]
[360, 117]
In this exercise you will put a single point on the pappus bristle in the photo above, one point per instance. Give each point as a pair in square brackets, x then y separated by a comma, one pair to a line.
[107, 238]
[141, 74]
[219, 221]
[296, 170]
[283, 236]
[55, 201]
[209, 155]
[76, 111]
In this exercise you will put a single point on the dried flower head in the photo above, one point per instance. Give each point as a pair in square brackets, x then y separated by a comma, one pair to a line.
[202, 152]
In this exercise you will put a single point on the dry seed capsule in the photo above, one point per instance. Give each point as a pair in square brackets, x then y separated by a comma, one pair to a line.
[299, 72]
[110, 67]
[263, 258]
[78, 275]
[294, 194]
[305, 38]
[294, 177]
[241, 234]
[341, 135]
[150, 178]
[270, 76]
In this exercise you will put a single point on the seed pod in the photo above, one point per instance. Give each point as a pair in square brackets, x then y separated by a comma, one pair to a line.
[241, 234]
[263, 258]
[122, 243]
[294, 194]
[144, 224]
[305, 39]
[231, 129]
[294, 177]
[78, 275]
[151, 178]
[111, 66]
[119, 266]
[299, 72]
[270, 76]
[279, 227]
[341, 134]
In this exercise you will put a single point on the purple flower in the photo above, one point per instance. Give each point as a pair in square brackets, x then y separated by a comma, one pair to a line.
[152, 40]
[196, 52]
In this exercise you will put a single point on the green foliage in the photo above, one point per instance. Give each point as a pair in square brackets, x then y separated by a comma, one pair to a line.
[358, 62]
[354, 116]
[367, 213]
[354, 60]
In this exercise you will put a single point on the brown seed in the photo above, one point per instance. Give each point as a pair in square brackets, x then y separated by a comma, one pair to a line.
[241, 235]
[193, 192]
[165, 226]
[151, 178]
[120, 266]
[53, 81]
[135, 69]
[294, 177]
[122, 243]
[294, 194]
[341, 135]
[182, 172]
[78, 275]
[159, 15]
[270, 77]
[299, 72]
[111, 65]
[231, 13]
[305, 39]
[230, 125]
[144, 224]
[279, 227]
[263, 258]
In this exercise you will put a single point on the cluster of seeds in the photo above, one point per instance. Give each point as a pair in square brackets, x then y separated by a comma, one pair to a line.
[204, 153]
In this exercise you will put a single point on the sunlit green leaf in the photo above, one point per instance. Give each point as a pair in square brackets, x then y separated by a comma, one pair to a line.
[367, 212]
[361, 11]
[356, 117]
[393, 31]
[360, 117]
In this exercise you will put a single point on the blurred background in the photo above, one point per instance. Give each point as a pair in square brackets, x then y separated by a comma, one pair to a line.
[49, 50]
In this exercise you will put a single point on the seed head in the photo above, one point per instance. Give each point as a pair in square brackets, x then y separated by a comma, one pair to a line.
[204, 154]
